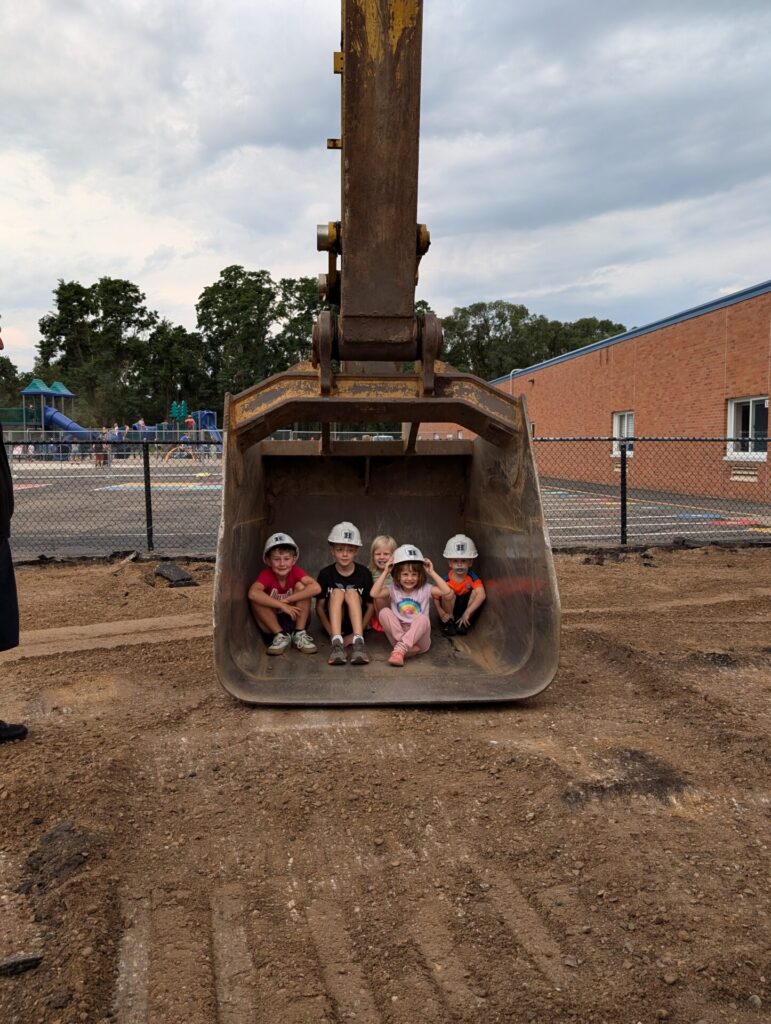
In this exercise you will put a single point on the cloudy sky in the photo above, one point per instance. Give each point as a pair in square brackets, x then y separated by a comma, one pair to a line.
[600, 157]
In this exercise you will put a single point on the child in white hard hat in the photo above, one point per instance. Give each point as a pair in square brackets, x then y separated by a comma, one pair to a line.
[344, 606]
[281, 596]
[468, 590]
[406, 622]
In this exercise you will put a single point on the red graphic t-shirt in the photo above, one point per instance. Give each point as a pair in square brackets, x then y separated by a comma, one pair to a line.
[275, 588]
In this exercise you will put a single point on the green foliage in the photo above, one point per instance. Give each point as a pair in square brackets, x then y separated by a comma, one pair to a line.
[490, 339]
[96, 339]
[253, 327]
[10, 384]
[124, 361]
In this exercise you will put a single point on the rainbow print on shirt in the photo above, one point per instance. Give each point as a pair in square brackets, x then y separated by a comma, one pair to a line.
[408, 607]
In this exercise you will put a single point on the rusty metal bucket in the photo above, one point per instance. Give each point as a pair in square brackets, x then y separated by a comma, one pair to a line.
[420, 492]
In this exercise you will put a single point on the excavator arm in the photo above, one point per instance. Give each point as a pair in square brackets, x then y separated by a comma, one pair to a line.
[378, 240]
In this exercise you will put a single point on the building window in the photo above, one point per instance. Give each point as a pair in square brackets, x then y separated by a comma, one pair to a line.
[623, 426]
[748, 428]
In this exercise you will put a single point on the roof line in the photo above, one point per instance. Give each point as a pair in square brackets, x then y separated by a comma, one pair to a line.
[636, 332]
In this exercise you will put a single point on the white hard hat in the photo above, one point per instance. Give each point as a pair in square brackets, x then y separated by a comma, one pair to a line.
[279, 540]
[345, 533]
[408, 553]
[460, 546]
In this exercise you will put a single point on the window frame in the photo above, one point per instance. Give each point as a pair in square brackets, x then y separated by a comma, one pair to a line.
[617, 433]
[751, 454]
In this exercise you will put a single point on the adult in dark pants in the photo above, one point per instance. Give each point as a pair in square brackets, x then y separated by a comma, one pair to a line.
[9, 606]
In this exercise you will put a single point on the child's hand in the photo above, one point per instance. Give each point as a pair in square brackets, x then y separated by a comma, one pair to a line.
[465, 620]
[429, 566]
[292, 610]
[389, 565]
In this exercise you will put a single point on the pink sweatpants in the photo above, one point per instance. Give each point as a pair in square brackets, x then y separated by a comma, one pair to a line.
[417, 634]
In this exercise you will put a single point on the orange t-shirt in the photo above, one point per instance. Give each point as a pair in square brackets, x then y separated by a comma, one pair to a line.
[469, 582]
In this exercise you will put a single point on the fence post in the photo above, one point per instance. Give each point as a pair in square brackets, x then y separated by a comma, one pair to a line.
[622, 448]
[148, 494]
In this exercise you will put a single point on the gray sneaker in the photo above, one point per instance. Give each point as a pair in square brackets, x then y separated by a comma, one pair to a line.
[359, 654]
[337, 657]
[303, 641]
[280, 643]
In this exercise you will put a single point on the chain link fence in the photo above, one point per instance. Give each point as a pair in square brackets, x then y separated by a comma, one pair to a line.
[654, 490]
[97, 498]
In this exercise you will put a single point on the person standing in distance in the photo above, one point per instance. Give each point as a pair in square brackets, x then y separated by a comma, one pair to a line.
[9, 605]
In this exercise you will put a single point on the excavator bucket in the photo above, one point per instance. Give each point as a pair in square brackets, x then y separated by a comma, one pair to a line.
[421, 492]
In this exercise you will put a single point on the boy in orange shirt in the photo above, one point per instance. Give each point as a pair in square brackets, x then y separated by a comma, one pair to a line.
[469, 592]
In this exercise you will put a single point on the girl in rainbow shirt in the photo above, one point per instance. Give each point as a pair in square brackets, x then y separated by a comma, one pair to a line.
[406, 622]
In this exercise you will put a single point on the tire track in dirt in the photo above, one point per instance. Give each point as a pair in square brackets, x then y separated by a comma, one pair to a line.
[233, 964]
[131, 987]
[41, 643]
[748, 596]
[343, 976]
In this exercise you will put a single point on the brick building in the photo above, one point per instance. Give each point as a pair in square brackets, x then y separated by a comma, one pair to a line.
[703, 373]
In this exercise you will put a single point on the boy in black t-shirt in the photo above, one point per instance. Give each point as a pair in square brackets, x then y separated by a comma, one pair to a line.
[344, 606]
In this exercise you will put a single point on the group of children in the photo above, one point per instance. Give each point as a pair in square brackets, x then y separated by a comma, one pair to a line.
[392, 596]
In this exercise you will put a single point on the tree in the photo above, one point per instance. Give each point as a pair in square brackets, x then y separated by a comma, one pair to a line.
[174, 364]
[490, 339]
[96, 337]
[10, 384]
[235, 317]
[297, 307]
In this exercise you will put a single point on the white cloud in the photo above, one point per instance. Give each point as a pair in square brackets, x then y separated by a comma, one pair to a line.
[609, 160]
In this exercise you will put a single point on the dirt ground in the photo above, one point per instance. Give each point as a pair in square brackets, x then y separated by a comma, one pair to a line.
[599, 853]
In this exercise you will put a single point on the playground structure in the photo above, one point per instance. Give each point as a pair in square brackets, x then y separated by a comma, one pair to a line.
[419, 491]
[51, 432]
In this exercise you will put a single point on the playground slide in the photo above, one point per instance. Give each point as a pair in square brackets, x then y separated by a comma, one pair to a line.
[55, 420]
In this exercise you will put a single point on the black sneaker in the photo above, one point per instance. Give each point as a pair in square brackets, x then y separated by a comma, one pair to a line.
[9, 733]
[359, 654]
[337, 657]
[448, 628]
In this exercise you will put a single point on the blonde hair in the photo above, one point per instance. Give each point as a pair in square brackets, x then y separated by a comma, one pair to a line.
[384, 540]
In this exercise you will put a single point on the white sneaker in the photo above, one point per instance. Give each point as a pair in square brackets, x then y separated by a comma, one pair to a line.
[304, 642]
[280, 643]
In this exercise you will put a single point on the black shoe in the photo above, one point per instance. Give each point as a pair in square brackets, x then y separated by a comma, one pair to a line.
[448, 628]
[359, 654]
[9, 733]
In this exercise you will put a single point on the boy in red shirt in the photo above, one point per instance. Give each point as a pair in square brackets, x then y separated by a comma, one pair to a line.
[281, 597]
[460, 552]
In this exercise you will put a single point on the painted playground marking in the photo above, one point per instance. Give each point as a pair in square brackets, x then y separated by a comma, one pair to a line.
[29, 487]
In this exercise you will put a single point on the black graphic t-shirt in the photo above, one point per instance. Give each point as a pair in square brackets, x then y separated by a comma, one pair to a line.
[360, 579]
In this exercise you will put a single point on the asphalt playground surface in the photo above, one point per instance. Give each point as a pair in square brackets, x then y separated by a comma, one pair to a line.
[74, 509]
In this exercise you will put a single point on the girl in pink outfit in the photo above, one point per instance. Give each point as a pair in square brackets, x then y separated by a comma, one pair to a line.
[406, 622]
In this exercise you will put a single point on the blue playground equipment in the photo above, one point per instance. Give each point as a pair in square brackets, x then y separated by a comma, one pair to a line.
[206, 432]
[205, 425]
